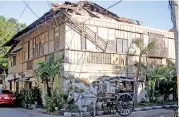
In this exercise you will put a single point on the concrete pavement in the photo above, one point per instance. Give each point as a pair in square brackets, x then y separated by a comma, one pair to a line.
[151, 113]
[18, 112]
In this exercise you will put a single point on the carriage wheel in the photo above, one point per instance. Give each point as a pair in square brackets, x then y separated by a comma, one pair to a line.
[124, 105]
[105, 108]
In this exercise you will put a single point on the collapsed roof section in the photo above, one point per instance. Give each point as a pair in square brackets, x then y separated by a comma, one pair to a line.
[86, 8]
[83, 8]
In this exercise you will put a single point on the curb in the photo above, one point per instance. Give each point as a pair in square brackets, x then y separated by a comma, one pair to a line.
[154, 107]
[135, 110]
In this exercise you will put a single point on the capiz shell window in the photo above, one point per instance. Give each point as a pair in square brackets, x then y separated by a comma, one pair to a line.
[122, 45]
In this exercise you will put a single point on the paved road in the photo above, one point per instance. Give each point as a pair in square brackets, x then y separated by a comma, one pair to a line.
[151, 113]
[16, 112]
[154, 113]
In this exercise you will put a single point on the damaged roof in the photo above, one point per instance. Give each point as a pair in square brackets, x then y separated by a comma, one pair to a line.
[89, 7]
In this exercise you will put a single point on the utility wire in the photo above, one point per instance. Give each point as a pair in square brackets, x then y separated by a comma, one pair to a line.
[30, 9]
[45, 20]
[18, 20]
[114, 4]
[106, 9]
[33, 11]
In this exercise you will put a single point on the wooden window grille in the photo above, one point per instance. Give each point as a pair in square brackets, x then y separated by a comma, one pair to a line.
[29, 65]
[28, 50]
[14, 60]
[122, 45]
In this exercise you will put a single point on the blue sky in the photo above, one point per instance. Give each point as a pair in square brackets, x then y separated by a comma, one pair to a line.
[154, 14]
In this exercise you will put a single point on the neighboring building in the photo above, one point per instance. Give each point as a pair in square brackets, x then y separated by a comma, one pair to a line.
[92, 50]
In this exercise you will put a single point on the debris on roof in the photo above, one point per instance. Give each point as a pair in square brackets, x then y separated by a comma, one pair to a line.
[84, 8]
[98, 10]
[56, 7]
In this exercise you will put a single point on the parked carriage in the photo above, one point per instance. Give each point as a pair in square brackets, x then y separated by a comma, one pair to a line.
[120, 99]
[115, 94]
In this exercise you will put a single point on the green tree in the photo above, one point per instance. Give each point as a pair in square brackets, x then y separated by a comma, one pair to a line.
[8, 28]
[143, 50]
[47, 70]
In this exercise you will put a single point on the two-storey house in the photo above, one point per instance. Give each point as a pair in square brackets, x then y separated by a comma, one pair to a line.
[92, 40]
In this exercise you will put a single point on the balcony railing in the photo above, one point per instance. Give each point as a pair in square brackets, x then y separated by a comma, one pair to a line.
[82, 57]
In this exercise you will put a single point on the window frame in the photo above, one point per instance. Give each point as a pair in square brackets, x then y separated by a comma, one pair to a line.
[14, 59]
[122, 39]
[28, 51]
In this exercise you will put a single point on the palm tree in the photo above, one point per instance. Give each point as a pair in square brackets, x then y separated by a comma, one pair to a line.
[143, 50]
[47, 70]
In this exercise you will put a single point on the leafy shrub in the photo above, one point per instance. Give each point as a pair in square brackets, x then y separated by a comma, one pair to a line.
[35, 95]
[57, 100]
[61, 101]
[27, 97]
[50, 105]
